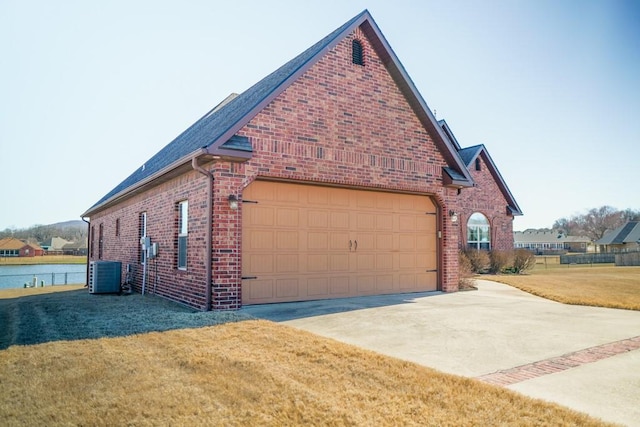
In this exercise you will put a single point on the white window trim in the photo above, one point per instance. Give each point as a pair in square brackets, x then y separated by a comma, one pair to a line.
[183, 233]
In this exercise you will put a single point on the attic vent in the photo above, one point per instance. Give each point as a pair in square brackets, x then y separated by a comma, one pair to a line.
[478, 164]
[357, 56]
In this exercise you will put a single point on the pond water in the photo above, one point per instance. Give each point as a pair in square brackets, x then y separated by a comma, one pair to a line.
[15, 276]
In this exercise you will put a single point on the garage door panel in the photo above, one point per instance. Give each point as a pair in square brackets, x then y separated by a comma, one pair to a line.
[425, 223]
[260, 263]
[364, 242]
[384, 262]
[318, 241]
[318, 263]
[339, 197]
[366, 199]
[384, 222]
[318, 286]
[339, 285]
[286, 263]
[296, 243]
[258, 290]
[384, 242]
[339, 262]
[384, 282]
[365, 262]
[262, 216]
[261, 240]
[318, 219]
[407, 261]
[288, 193]
[339, 241]
[287, 288]
[286, 240]
[427, 281]
[319, 196]
[340, 220]
[366, 284]
[407, 281]
[365, 221]
[286, 217]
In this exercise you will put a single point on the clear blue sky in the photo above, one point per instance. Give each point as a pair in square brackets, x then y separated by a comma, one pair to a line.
[89, 90]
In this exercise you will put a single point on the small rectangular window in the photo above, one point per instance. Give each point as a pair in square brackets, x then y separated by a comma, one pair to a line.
[92, 235]
[100, 240]
[117, 227]
[142, 233]
[183, 230]
[478, 164]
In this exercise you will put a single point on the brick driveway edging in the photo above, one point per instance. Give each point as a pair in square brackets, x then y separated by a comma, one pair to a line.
[562, 363]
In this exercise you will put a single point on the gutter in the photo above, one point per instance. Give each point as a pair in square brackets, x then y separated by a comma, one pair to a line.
[209, 234]
[88, 250]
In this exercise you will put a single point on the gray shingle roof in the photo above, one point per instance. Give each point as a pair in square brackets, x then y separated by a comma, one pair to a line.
[215, 129]
[469, 154]
[627, 233]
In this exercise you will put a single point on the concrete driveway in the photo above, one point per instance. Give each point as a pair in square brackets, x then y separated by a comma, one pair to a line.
[586, 358]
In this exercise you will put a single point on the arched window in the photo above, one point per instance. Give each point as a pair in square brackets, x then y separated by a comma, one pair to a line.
[478, 232]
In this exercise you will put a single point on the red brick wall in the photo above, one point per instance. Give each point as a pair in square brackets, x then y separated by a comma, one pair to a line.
[341, 124]
[487, 199]
[160, 203]
[346, 124]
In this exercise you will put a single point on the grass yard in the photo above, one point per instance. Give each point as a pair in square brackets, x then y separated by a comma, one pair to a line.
[603, 286]
[70, 358]
[46, 259]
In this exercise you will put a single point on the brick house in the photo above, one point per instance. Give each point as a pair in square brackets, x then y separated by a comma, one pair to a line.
[486, 210]
[12, 247]
[328, 178]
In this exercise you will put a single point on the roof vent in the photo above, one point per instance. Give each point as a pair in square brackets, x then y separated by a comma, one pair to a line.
[357, 56]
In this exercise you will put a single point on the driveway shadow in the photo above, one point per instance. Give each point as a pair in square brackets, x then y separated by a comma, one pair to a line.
[76, 315]
[281, 312]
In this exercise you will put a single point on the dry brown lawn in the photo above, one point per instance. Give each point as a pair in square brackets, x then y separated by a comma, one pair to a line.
[251, 372]
[46, 259]
[70, 358]
[603, 286]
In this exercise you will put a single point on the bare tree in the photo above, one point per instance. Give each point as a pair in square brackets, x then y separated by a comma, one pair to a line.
[595, 222]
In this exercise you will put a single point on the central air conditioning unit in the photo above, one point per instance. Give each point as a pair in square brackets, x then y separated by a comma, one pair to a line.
[104, 277]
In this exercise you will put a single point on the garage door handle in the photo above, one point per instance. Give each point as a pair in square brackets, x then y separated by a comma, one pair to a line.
[356, 245]
[350, 244]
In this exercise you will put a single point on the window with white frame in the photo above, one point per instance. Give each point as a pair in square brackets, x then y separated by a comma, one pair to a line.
[183, 229]
[478, 232]
[142, 233]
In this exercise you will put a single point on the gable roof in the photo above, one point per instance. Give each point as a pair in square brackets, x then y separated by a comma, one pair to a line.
[470, 154]
[551, 236]
[212, 135]
[11, 243]
[627, 233]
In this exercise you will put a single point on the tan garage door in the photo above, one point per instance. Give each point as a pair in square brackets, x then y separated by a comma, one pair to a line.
[303, 242]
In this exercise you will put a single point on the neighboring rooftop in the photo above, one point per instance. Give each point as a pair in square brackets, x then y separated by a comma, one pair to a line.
[627, 233]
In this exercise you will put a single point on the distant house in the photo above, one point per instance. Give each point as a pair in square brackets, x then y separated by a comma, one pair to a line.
[625, 238]
[12, 247]
[541, 242]
[54, 244]
[75, 248]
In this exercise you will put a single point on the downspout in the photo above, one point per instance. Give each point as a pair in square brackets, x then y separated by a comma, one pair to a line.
[209, 234]
[88, 250]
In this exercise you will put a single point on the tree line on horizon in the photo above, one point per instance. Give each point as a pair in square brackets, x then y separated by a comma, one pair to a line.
[43, 233]
[596, 222]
